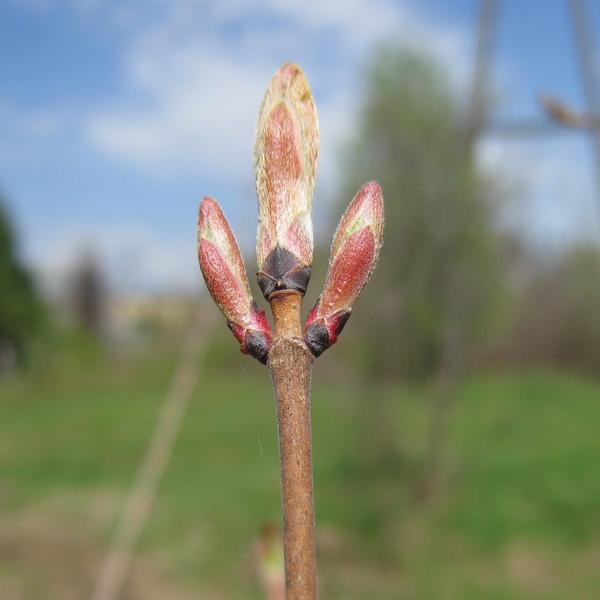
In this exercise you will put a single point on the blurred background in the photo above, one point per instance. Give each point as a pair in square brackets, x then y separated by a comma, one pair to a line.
[456, 445]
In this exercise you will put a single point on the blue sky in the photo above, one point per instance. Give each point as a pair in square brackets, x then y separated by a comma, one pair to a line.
[116, 117]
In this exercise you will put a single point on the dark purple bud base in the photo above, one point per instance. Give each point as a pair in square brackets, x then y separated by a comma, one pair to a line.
[258, 346]
[318, 337]
[252, 342]
[282, 271]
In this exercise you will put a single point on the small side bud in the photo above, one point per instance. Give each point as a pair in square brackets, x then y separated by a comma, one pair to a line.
[269, 558]
[286, 148]
[225, 276]
[354, 252]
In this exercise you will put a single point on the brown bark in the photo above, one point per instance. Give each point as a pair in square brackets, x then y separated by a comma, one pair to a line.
[290, 364]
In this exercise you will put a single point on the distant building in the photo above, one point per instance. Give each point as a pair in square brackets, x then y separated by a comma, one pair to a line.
[138, 312]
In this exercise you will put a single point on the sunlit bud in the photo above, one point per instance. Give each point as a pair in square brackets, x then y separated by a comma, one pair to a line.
[269, 557]
[286, 147]
[354, 253]
[560, 112]
[225, 276]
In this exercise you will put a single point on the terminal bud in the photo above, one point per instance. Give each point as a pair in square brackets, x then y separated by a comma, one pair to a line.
[286, 148]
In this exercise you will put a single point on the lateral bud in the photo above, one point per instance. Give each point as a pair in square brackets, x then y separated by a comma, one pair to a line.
[223, 270]
[354, 252]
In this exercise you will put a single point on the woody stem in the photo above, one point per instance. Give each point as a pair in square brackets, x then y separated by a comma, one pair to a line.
[290, 364]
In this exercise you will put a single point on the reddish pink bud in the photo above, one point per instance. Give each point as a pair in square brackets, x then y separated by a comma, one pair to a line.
[354, 252]
[286, 147]
[225, 276]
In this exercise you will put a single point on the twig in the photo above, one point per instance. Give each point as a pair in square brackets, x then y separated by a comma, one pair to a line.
[286, 146]
[290, 363]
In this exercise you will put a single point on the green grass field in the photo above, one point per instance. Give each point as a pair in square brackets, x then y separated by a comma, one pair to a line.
[518, 517]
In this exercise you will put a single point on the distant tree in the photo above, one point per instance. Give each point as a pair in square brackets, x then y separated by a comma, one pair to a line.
[89, 296]
[20, 307]
[557, 322]
[437, 284]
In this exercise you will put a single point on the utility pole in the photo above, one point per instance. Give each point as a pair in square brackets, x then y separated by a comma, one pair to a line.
[580, 16]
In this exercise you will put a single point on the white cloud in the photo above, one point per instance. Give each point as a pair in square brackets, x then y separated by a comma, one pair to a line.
[195, 77]
[557, 198]
[133, 258]
[26, 133]
[200, 118]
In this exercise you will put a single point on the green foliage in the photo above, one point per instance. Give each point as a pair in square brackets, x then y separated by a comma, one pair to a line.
[518, 520]
[527, 444]
[20, 308]
[557, 323]
[437, 282]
